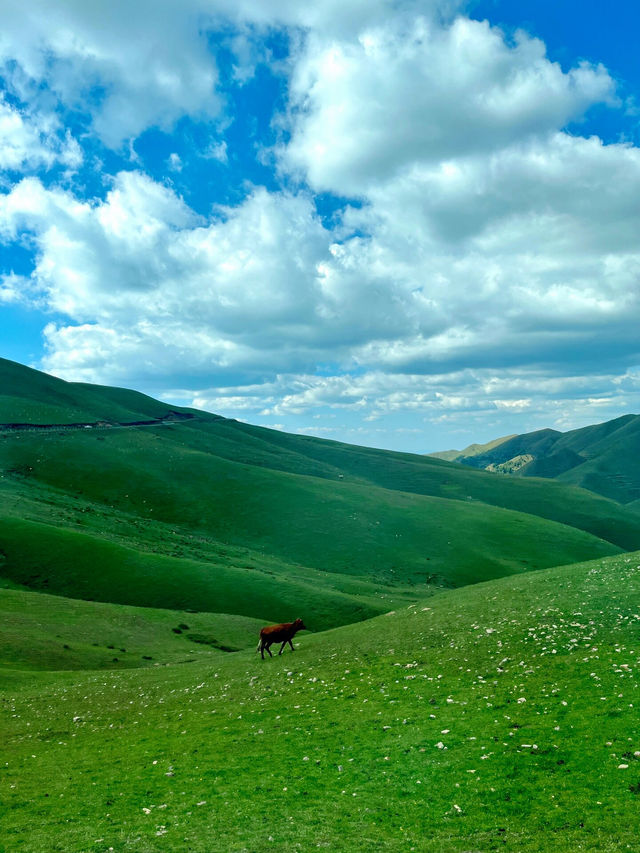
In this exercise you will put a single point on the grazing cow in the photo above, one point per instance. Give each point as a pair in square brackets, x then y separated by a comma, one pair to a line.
[279, 634]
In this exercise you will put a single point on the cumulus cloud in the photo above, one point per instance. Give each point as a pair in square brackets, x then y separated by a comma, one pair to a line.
[34, 141]
[364, 110]
[131, 65]
[266, 287]
[487, 262]
[140, 269]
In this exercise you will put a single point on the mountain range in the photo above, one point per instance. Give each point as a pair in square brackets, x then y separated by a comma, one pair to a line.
[604, 458]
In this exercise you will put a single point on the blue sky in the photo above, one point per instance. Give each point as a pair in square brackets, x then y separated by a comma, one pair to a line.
[402, 224]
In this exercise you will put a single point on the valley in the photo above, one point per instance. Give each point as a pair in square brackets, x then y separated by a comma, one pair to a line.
[469, 680]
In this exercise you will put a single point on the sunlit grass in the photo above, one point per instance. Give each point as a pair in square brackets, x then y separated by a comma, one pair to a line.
[500, 716]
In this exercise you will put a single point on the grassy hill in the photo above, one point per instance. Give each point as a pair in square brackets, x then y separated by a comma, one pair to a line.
[447, 698]
[145, 489]
[215, 515]
[603, 458]
[498, 716]
[86, 566]
[470, 451]
[29, 396]
[40, 632]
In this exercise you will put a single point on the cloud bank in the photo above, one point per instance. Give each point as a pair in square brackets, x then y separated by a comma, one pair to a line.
[438, 244]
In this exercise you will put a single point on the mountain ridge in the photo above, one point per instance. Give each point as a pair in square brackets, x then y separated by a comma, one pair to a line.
[600, 457]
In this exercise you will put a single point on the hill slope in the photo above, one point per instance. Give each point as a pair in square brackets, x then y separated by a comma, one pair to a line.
[211, 514]
[40, 632]
[604, 458]
[29, 396]
[499, 716]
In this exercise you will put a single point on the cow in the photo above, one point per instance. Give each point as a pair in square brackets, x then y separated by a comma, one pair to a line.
[279, 634]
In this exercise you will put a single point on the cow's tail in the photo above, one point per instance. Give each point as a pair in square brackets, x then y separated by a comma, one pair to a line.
[259, 644]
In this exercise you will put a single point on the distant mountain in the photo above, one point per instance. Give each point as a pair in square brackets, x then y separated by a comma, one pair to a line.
[471, 451]
[604, 458]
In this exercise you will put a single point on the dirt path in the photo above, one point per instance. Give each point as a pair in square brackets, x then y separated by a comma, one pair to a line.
[165, 420]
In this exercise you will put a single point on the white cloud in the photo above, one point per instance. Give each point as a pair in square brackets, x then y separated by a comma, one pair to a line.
[217, 151]
[34, 141]
[367, 109]
[140, 269]
[174, 162]
[148, 63]
[14, 289]
[266, 287]
[132, 65]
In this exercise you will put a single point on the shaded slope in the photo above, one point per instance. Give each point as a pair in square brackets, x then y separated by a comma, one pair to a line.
[77, 565]
[344, 527]
[612, 467]
[30, 396]
[39, 631]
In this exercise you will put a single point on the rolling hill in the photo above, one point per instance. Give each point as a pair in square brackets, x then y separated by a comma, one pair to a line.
[448, 698]
[603, 458]
[188, 510]
[498, 716]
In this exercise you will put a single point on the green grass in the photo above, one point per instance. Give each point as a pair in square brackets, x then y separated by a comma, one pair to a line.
[161, 479]
[499, 716]
[42, 632]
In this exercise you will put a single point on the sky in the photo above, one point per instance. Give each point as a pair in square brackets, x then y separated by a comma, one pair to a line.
[410, 224]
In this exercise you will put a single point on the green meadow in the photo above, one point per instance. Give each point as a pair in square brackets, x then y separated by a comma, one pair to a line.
[468, 682]
[499, 716]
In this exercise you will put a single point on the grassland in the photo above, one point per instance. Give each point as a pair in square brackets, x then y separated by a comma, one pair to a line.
[448, 698]
[501, 716]
[40, 632]
[159, 516]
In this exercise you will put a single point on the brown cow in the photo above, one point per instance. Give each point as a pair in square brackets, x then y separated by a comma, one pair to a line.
[279, 634]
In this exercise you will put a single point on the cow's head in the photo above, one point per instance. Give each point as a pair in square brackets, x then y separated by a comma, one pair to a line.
[300, 626]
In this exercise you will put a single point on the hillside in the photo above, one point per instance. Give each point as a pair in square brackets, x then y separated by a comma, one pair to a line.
[28, 396]
[210, 514]
[42, 632]
[498, 716]
[470, 451]
[446, 698]
[603, 458]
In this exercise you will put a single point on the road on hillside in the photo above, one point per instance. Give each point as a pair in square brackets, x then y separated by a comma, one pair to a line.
[166, 420]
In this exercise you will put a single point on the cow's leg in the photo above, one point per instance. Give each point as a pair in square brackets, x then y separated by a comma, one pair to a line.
[268, 648]
[291, 644]
[262, 650]
[282, 647]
